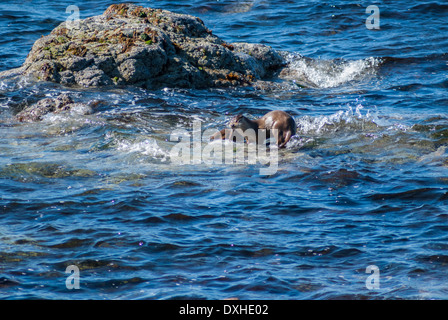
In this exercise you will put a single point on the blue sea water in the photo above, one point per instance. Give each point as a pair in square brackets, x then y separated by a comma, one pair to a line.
[364, 182]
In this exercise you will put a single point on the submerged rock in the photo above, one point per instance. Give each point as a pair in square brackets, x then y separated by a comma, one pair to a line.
[61, 103]
[133, 45]
[35, 111]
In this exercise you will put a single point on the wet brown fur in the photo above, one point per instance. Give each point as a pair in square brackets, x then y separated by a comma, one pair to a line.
[278, 120]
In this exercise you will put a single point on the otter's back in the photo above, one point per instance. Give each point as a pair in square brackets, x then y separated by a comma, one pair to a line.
[280, 120]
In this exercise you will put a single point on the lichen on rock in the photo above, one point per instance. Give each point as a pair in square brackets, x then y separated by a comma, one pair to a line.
[133, 45]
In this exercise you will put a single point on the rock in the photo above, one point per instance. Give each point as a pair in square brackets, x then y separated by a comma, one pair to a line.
[133, 45]
[63, 102]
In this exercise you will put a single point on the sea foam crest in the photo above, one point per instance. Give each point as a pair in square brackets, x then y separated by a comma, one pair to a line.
[349, 119]
[319, 73]
[146, 147]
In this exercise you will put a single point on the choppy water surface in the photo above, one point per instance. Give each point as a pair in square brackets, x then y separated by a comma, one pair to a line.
[363, 183]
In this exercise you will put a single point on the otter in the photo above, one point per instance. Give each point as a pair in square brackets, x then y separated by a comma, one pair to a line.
[273, 120]
[228, 134]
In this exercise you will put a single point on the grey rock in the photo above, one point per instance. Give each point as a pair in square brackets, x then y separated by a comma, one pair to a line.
[35, 111]
[62, 103]
[133, 45]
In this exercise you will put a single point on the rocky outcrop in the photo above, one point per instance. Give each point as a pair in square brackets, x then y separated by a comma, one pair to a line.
[133, 45]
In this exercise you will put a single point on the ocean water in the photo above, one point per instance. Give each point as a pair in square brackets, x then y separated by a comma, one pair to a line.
[363, 183]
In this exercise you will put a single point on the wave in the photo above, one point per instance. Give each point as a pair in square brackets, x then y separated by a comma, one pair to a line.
[143, 147]
[431, 7]
[415, 60]
[349, 119]
[319, 73]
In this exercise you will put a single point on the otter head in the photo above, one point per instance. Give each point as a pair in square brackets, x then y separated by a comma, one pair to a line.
[238, 122]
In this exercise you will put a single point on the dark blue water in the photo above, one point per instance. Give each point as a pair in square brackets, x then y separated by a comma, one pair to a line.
[365, 181]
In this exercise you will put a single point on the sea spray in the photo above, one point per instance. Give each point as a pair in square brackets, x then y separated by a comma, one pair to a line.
[319, 73]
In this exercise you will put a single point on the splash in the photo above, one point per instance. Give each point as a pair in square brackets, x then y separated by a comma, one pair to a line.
[352, 119]
[317, 73]
[144, 147]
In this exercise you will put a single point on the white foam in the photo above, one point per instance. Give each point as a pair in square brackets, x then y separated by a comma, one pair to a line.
[328, 73]
[146, 147]
[354, 119]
